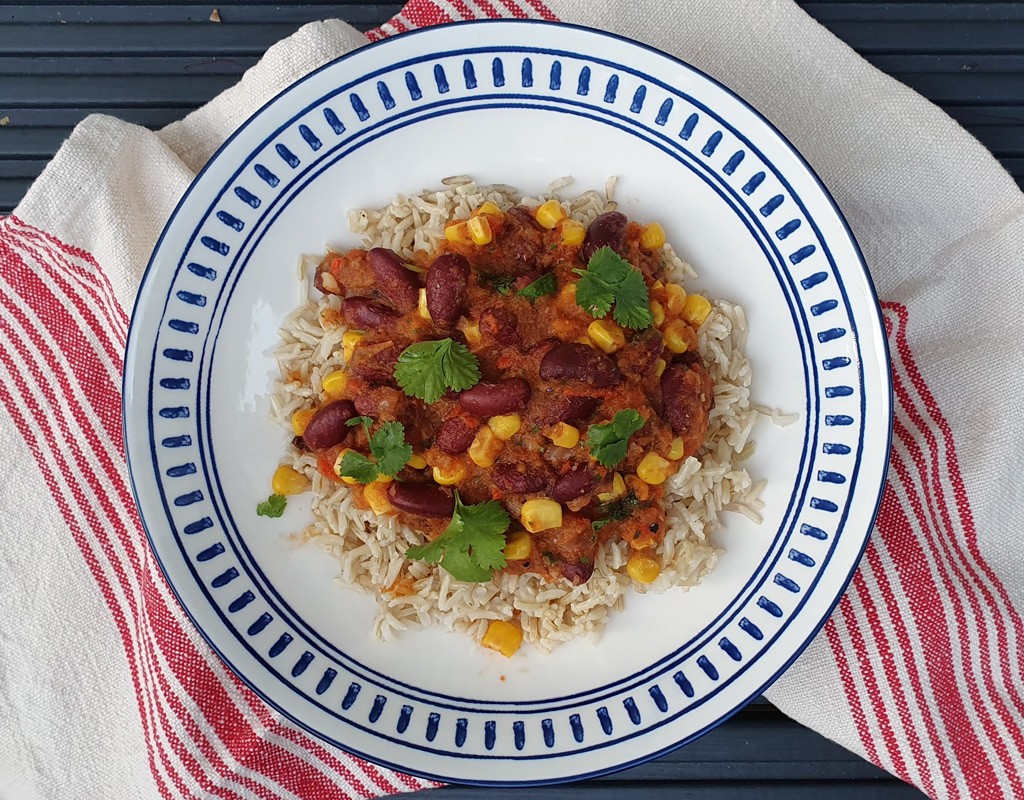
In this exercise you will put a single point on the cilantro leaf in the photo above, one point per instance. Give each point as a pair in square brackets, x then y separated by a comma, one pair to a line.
[389, 447]
[545, 284]
[364, 421]
[608, 441]
[472, 546]
[428, 369]
[608, 279]
[502, 284]
[273, 506]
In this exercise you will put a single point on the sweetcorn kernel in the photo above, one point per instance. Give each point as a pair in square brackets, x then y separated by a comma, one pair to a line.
[658, 312]
[618, 490]
[485, 447]
[334, 384]
[653, 469]
[471, 330]
[458, 233]
[675, 336]
[503, 637]
[421, 305]
[659, 367]
[417, 461]
[573, 232]
[549, 214]
[337, 467]
[564, 435]
[479, 230]
[505, 426]
[288, 481]
[376, 494]
[652, 237]
[676, 297]
[540, 514]
[300, 419]
[349, 341]
[449, 476]
[607, 335]
[517, 546]
[675, 449]
[642, 568]
[488, 208]
[696, 309]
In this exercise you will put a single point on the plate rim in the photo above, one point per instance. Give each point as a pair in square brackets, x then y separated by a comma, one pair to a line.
[885, 398]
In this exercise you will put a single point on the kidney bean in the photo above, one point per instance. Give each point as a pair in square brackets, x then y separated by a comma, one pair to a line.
[446, 289]
[567, 408]
[607, 230]
[573, 361]
[577, 571]
[455, 435]
[519, 478]
[501, 325]
[394, 281]
[687, 395]
[489, 399]
[327, 427]
[574, 484]
[364, 313]
[421, 499]
[375, 363]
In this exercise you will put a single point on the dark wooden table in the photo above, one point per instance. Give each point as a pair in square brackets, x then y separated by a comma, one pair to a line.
[152, 63]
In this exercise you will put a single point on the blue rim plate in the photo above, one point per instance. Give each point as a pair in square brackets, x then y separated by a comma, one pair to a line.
[523, 103]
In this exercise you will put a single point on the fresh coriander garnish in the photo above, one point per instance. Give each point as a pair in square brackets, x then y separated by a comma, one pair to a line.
[429, 369]
[545, 284]
[273, 506]
[502, 284]
[617, 510]
[608, 441]
[366, 422]
[608, 279]
[389, 449]
[472, 545]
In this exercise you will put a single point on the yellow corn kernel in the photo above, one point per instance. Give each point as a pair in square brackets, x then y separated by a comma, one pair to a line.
[517, 546]
[654, 469]
[334, 384]
[550, 214]
[458, 233]
[349, 341]
[300, 419]
[540, 514]
[652, 236]
[618, 490]
[696, 309]
[479, 230]
[675, 450]
[417, 461]
[657, 285]
[607, 335]
[449, 476]
[505, 426]
[658, 312]
[573, 233]
[288, 481]
[567, 294]
[382, 478]
[337, 467]
[471, 330]
[488, 208]
[564, 435]
[659, 367]
[485, 447]
[421, 305]
[376, 494]
[675, 336]
[504, 637]
[676, 298]
[584, 339]
[642, 568]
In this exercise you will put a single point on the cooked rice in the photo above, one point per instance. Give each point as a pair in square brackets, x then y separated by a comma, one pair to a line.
[370, 549]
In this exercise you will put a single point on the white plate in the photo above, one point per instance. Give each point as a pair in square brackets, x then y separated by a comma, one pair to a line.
[520, 103]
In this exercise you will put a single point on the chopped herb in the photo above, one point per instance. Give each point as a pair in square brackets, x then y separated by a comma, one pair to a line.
[389, 449]
[608, 279]
[502, 284]
[366, 422]
[608, 442]
[597, 524]
[273, 506]
[428, 369]
[472, 545]
[616, 511]
[545, 284]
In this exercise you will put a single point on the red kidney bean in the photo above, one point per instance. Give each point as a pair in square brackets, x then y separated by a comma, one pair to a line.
[375, 363]
[607, 230]
[394, 281]
[574, 484]
[568, 408]
[501, 325]
[446, 289]
[455, 435]
[577, 571]
[579, 362]
[489, 399]
[510, 478]
[327, 427]
[421, 499]
[364, 313]
[687, 394]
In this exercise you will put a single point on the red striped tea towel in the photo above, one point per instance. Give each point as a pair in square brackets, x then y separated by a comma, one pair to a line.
[106, 688]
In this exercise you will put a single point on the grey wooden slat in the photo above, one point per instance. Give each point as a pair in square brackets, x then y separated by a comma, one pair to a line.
[691, 790]
[151, 14]
[106, 91]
